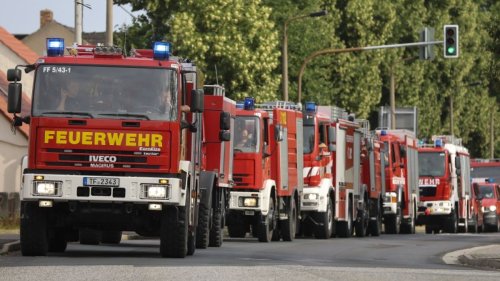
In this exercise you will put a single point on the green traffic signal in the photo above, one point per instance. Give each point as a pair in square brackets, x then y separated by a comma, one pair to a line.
[450, 37]
[451, 50]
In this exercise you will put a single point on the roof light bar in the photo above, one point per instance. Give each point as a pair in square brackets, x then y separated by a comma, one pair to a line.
[55, 47]
[310, 107]
[249, 103]
[161, 50]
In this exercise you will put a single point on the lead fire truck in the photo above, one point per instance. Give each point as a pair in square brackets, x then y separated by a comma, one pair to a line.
[445, 185]
[108, 150]
[401, 176]
[265, 199]
[332, 172]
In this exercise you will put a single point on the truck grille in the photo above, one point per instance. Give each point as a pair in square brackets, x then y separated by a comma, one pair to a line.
[427, 191]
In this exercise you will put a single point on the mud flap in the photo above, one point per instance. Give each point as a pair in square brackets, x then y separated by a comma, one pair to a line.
[206, 186]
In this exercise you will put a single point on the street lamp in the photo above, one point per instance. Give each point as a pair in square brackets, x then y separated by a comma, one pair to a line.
[284, 55]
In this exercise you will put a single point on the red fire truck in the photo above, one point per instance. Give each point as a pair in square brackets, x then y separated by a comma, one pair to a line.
[108, 148]
[370, 214]
[488, 193]
[267, 171]
[401, 176]
[332, 170]
[216, 177]
[445, 185]
[475, 223]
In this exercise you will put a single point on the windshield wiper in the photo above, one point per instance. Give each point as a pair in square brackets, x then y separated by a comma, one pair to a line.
[126, 115]
[69, 113]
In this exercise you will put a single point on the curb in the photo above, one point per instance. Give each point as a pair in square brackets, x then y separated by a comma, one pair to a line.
[466, 257]
[10, 247]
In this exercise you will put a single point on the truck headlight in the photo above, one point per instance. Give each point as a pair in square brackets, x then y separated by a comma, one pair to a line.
[493, 208]
[250, 202]
[45, 188]
[311, 196]
[157, 192]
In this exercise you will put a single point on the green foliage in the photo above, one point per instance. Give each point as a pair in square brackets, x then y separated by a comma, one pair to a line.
[243, 40]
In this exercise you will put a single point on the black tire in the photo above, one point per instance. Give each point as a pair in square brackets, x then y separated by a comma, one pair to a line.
[393, 222]
[325, 228]
[217, 229]
[57, 240]
[408, 228]
[345, 228]
[203, 229]
[111, 236]
[33, 230]
[266, 225]
[451, 223]
[472, 227]
[289, 226]
[361, 225]
[191, 246]
[375, 226]
[429, 229]
[89, 236]
[174, 232]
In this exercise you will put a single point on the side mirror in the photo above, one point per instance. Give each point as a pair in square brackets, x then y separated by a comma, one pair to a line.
[266, 151]
[225, 120]
[457, 163]
[402, 151]
[278, 134]
[225, 135]
[197, 101]
[14, 99]
[331, 134]
[14, 75]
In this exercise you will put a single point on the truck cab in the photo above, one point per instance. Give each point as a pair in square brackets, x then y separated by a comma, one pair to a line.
[488, 192]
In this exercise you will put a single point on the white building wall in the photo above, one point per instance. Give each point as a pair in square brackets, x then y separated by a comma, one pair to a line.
[8, 60]
[12, 148]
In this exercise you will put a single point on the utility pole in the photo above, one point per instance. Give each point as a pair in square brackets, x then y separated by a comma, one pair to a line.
[492, 133]
[78, 21]
[393, 100]
[109, 22]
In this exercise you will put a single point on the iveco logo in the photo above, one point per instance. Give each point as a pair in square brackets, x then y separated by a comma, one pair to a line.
[101, 158]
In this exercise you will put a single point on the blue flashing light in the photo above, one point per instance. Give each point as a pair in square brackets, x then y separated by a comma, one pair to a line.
[161, 51]
[310, 106]
[55, 47]
[438, 143]
[383, 133]
[490, 180]
[249, 103]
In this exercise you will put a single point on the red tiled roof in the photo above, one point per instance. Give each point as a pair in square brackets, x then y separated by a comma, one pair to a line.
[17, 46]
[26, 104]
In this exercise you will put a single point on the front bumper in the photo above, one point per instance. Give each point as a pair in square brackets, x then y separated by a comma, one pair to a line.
[314, 200]
[490, 218]
[435, 208]
[129, 189]
[390, 203]
[249, 201]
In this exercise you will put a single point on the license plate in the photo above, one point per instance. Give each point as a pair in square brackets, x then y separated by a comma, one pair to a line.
[249, 213]
[101, 181]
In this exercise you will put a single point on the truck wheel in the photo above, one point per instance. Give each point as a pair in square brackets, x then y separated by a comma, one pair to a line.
[451, 224]
[472, 227]
[408, 228]
[428, 229]
[326, 222]
[361, 224]
[393, 223]
[191, 245]
[57, 240]
[375, 225]
[203, 230]
[174, 232]
[289, 226]
[111, 236]
[89, 236]
[33, 236]
[217, 230]
[266, 224]
[345, 227]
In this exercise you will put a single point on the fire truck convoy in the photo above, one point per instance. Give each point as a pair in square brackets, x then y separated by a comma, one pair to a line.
[445, 186]
[110, 150]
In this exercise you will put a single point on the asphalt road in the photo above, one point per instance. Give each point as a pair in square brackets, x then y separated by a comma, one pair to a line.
[388, 257]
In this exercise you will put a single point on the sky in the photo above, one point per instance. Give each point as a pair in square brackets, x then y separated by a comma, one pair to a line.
[23, 16]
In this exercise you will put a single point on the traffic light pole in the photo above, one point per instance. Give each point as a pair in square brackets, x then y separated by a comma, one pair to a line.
[349, 50]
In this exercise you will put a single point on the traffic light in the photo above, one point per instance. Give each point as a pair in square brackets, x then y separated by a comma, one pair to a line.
[451, 41]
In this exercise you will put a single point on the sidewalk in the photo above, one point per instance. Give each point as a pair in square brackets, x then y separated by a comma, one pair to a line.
[9, 243]
[487, 257]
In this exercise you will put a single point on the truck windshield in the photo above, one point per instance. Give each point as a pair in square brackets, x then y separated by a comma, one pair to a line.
[484, 191]
[247, 134]
[308, 139]
[105, 92]
[431, 164]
